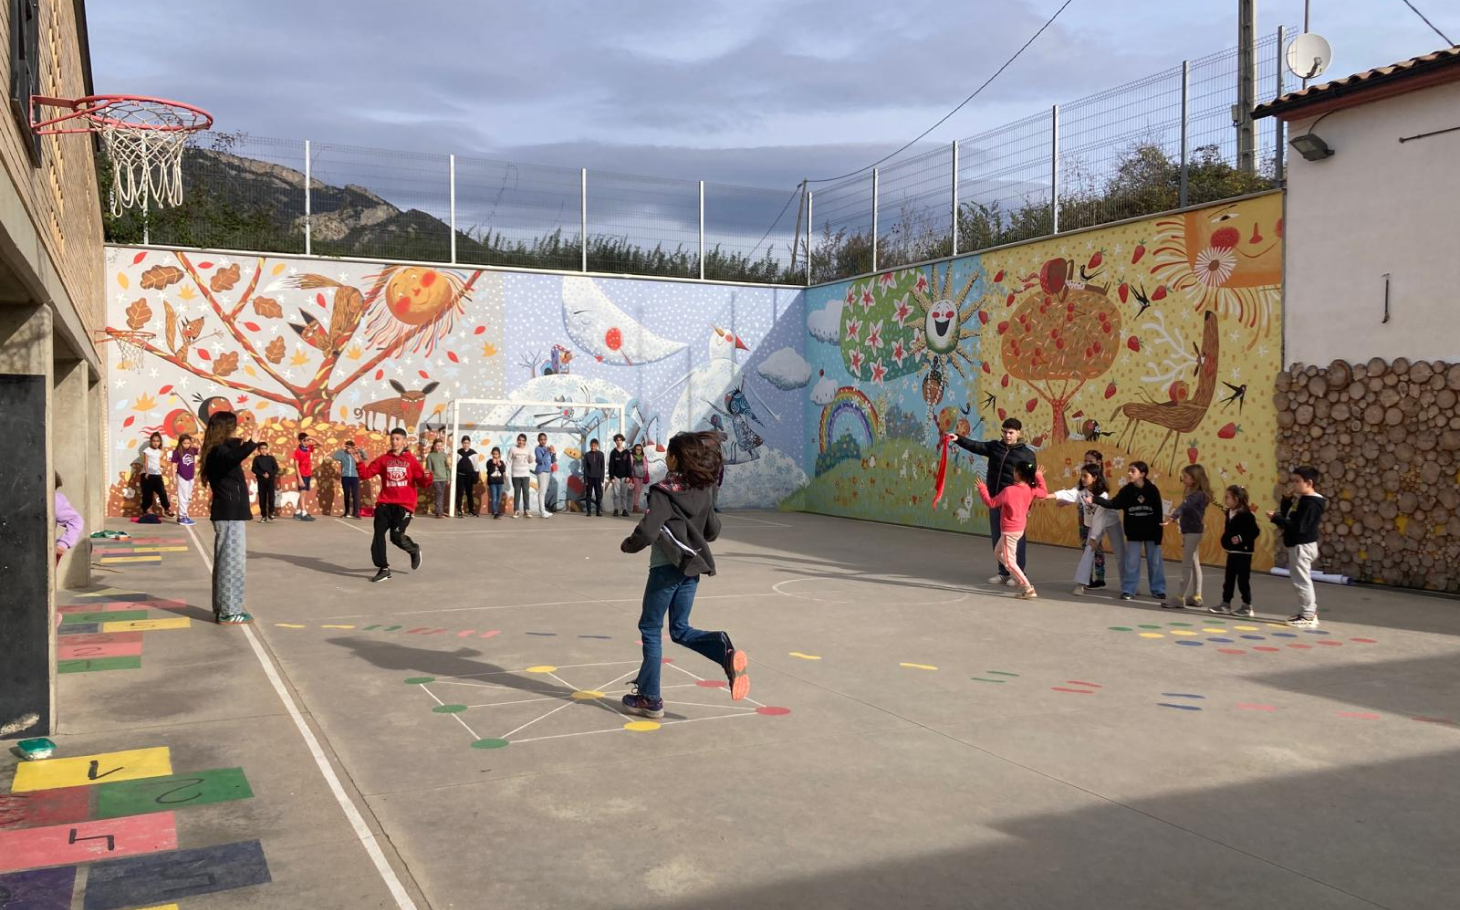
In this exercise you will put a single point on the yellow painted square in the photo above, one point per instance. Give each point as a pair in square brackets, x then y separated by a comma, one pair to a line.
[146, 625]
[108, 560]
[113, 592]
[85, 770]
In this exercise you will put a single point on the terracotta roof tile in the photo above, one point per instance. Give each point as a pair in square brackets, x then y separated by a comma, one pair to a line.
[1359, 82]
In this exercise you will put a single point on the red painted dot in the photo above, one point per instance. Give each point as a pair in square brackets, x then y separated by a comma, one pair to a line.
[1246, 706]
[1364, 641]
[1266, 649]
[1301, 647]
[770, 711]
[1076, 682]
[1331, 643]
[711, 684]
[670, 660]
[1074, 691]
[613, 338]
[1230, 651]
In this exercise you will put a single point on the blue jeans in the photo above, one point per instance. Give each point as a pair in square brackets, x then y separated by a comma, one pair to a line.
[1130, 576]
[494, 498]
[994, 533]
[670, 591]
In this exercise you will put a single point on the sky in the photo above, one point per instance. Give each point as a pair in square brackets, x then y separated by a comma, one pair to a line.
[758, 93]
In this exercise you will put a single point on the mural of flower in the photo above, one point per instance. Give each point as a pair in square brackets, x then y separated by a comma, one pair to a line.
[1214, 265]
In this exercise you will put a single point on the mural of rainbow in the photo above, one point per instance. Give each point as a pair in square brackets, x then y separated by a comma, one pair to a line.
[849, 409]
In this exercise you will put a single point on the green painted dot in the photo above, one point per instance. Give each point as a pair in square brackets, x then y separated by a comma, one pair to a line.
[419, 680]
[981, 679]
[1001, 673]
[490, 744]
[449, 709]
[1178, 624]
[1146, 625]
[1121, 629]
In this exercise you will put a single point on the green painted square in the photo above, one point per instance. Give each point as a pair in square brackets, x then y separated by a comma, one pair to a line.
[118, 616]
[89, 665]
[176, 791]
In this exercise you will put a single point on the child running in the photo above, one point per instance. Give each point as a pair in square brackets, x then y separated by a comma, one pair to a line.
[1141, 502]
[399, 474]
[520, 458]
[1298, 515]
[1096, 525]
[1190, 518]
[185, 459]
[1013, 503]
[1239, 539]
[678, 527]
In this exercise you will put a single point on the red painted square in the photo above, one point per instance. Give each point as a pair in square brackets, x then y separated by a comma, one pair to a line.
[93, 651]
[113, 607]
[44, 807]
[100, 638]
[84, 842]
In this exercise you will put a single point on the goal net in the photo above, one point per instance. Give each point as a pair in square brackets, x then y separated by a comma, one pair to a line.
[570, 427]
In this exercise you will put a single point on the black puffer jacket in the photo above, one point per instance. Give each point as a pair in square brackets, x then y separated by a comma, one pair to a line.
[1002, 459]
[223, 468]
[681, 522]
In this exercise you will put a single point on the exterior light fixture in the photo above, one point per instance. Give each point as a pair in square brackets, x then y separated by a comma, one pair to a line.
[1311, 147]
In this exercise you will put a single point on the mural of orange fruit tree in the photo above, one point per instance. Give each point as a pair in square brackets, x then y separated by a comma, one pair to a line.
[406, 308]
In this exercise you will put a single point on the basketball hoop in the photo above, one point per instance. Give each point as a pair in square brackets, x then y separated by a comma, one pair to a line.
[132, 345]
[144, 139]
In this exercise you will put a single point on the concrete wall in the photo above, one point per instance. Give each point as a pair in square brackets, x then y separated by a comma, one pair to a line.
[298, 344]
[50, 303]
[1377, 206]
[1091, 339]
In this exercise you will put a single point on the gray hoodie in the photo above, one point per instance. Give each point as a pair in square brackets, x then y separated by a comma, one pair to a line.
[681, 522]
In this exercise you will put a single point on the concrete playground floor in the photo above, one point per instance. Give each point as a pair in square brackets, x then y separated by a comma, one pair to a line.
[914, 738]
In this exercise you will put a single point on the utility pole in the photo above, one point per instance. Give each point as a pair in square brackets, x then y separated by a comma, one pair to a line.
[1246, 85]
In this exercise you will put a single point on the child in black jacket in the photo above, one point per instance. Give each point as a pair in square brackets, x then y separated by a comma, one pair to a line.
[1299, 515]
[1141, 502]
[266, 472]
[1239, 539]
[593, 472]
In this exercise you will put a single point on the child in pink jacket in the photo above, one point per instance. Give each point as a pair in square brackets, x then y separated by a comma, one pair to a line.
[1013, 503]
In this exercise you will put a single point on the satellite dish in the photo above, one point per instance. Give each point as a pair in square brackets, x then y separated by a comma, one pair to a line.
[1309, 55]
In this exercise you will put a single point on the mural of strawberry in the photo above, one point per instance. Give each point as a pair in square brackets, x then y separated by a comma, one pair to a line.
[1191, 452]
[1139, 251]
[1159, 293]
[1229, 431]
[1110, 391]
[1124, 291]
[1133, 343]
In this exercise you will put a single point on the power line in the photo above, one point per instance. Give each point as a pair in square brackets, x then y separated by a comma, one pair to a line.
[944, 119]
[794, 193]
[1432, 26]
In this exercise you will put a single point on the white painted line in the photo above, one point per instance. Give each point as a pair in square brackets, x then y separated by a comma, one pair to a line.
[761, 521]
[571, 687]
[355, 527]
[521, 701]
[697, 704]
[702, 679]
[536, 719]
[357, 821]
[665, 723]
[552, 603]
[438, 701]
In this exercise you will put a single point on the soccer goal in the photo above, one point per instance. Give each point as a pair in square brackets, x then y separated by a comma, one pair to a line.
[570, 427]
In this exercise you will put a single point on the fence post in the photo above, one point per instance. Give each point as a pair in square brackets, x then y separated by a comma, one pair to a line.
[583, 218]
[1185, 118]
[702, 230]
[308, 244]
[874, 219]
[955, 197]
[1278, 151]
[452, 164]
[1054, 169]
[808, 235]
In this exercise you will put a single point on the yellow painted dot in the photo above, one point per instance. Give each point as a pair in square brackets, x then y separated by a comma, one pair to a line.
[918, 666]
[805, 656]
[543, 669]
[1214, 630]
[1152, 635]
[587, 694]
[337, 627]
[1245, 628]
[289, 625]
[641, 726]
[1184, 632]
[1276, 625]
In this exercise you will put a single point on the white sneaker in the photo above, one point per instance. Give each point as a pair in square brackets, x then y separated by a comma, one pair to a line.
[998, 579]
[546, 515]
[1303, 622]
[1079, 589]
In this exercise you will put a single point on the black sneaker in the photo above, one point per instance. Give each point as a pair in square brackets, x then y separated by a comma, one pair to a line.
[734, 665]
[415, 559]
[382, 575]
[1244, 610]
[1222, 609]
[1172, 605]
[644, 707]
[1096, 584]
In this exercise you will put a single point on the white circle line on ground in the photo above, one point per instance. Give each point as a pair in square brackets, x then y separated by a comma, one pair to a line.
[357, 821]
[777, 587]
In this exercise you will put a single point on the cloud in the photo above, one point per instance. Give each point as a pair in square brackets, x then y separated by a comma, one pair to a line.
[825, 324]
[823, 392]
[786, 370]
[763, 483]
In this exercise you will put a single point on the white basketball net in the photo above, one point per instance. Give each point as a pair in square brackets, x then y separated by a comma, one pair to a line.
[130, 345]
[146, 167]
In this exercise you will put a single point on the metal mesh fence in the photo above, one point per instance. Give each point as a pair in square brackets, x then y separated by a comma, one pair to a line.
[645, 225]
[754, 234]
[523, 215]
[379, 204]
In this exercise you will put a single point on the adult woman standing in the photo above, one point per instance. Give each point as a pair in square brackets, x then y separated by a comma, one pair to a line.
[222, 465]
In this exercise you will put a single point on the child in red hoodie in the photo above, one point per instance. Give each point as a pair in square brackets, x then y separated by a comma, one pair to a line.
[1013, 503]
[304, 464]
[399, 474]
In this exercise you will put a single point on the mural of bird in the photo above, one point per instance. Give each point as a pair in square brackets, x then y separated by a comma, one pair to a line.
[709, 381]
[608, 333]
[345, 315]
[313, 331]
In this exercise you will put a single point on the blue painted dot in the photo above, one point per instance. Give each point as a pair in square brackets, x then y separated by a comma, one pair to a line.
[1225, 641]
[1254, 638]
[1182, 695]
[1284, 635]
[1318, 632]
[1191, 644]
[1167, 704]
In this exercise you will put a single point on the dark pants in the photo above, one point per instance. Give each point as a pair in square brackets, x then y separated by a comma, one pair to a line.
[670, 591]
[266, 498]
[152, 486]
[994, 533]
[394, 519]
[593, 496]
[466, 494]
[1239, 574]
[350, 487]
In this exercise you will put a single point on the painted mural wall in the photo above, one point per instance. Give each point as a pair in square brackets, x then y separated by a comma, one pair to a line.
[347, 350]
[1140, 340]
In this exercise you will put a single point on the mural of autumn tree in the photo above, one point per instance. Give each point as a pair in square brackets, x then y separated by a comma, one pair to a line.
[403, 308]
[1059, 337]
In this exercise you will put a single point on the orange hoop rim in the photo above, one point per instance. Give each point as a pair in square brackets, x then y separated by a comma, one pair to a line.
[92, 109]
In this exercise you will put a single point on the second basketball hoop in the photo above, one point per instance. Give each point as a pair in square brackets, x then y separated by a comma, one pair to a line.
[144, 139]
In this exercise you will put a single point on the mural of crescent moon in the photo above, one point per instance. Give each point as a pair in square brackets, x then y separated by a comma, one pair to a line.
[608, 333]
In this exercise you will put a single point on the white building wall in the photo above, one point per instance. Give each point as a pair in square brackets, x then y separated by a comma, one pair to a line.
[1377, 206]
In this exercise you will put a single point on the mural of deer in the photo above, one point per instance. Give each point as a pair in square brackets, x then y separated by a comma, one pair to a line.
[1177, 417]
[403, 410]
